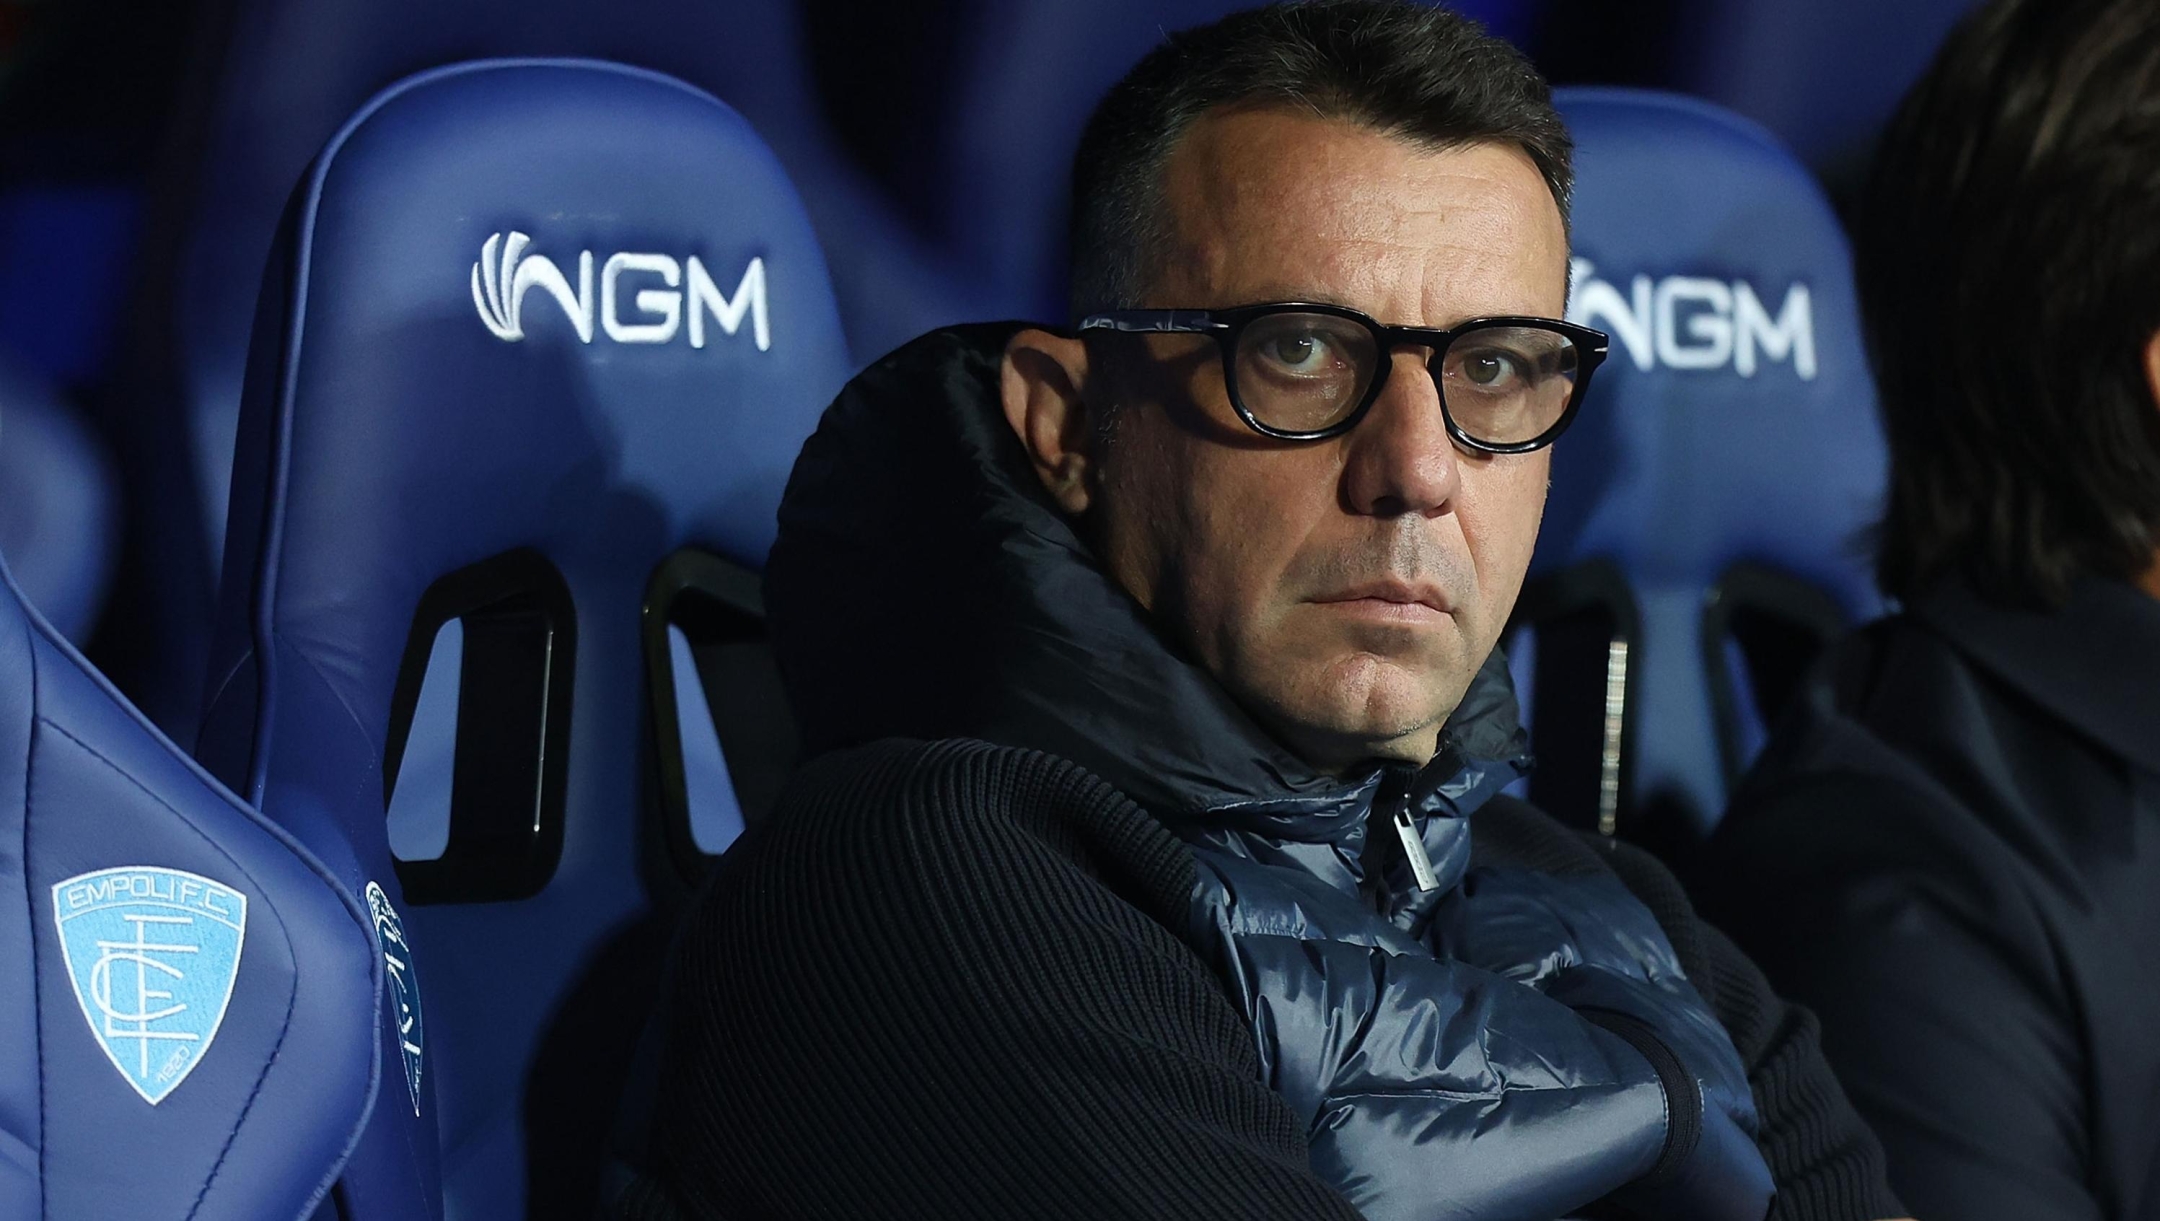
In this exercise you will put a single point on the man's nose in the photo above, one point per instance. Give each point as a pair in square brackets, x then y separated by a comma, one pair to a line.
[1401, 458]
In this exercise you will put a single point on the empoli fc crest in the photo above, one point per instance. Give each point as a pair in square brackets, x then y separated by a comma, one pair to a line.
[153, 953]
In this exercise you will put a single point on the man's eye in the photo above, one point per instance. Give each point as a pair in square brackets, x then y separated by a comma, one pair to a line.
[1491, 370]
[1305, 353]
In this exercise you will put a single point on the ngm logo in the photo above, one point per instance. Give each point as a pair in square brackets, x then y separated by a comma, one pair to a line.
[506, 272]
[1692, 322]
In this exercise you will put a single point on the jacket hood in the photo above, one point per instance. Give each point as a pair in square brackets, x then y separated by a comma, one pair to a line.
[924, 585]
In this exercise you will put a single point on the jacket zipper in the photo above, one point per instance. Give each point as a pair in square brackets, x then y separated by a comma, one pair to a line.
[1392, 802]
[1414, 846]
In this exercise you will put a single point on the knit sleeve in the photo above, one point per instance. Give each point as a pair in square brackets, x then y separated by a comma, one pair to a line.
[942, 981]
[1828, 1165]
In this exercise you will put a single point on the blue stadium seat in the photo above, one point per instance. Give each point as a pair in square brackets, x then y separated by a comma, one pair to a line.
[1017, 115]
[538, 345]
[59, 504]
[1705, 532]
[67, 251]
[279, 79]
[187, 997]
[1824, 76]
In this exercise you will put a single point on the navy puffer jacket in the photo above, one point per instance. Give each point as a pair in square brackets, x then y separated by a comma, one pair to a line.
[1500, 1042]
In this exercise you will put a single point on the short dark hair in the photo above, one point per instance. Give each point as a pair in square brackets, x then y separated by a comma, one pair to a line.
[2008, 258]
[1410, 70]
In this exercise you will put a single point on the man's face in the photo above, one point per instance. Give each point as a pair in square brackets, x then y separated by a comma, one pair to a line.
[1346, 590]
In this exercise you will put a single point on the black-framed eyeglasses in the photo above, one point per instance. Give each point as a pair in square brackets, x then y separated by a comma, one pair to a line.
[1302, 371]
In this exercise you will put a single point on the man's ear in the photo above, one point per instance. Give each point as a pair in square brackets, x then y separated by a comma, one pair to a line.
[2152, 366]
[2151, 580]
[1041, 384]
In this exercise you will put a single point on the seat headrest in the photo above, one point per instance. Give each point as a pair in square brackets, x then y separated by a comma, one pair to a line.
[1735, 419]
[615, 251]
[553, 304]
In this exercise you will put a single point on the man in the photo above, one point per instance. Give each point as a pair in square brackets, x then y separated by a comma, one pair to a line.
[1951, 853]
[1158, 892]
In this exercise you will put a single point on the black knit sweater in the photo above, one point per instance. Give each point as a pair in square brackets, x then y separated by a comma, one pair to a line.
[952, 981]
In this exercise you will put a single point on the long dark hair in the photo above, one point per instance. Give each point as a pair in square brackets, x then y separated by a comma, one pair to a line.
[2008, 255]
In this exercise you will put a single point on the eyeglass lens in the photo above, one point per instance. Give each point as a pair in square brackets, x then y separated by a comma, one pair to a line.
[1306, 373]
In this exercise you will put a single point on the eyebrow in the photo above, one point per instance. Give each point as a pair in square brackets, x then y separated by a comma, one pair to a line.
[1278, 292]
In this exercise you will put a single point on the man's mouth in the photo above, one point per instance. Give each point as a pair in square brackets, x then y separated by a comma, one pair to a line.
[1393, 600]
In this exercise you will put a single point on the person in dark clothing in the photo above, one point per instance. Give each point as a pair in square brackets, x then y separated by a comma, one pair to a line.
[1152, 860]
[1950, 851]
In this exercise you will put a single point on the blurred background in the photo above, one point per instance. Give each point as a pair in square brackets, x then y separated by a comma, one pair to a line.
[147, 148]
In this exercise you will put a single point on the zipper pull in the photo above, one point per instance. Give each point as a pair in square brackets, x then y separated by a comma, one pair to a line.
[1414, 849]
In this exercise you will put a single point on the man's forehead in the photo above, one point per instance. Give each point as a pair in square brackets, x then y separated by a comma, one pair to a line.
[1269, 204]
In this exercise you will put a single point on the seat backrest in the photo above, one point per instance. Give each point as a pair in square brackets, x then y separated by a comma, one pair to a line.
[536, 351]
[1705, 532]
[187, 1000]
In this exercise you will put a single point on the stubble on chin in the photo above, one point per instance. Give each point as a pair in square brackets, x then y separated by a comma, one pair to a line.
[1340, 706]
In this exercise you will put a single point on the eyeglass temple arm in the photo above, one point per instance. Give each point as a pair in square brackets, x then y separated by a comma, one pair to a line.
[1180, 321]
